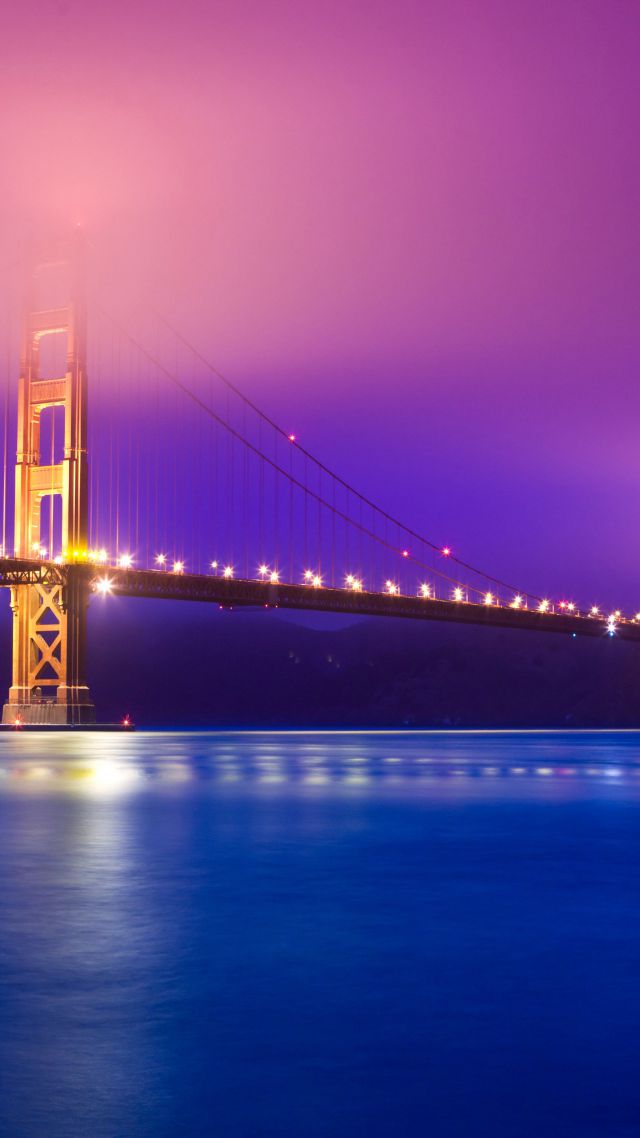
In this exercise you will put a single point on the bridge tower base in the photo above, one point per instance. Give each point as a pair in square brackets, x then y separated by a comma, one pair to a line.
[49, 620]
[48, 714]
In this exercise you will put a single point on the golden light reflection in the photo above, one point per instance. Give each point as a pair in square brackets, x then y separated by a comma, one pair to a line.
[96, 766]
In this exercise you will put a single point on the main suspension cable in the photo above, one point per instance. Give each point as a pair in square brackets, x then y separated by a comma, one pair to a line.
[281, 470]
[332, 473]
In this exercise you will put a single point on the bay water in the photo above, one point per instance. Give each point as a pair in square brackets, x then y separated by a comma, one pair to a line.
[328, 935]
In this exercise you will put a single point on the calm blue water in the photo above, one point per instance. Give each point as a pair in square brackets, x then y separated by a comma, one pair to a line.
[257, 936]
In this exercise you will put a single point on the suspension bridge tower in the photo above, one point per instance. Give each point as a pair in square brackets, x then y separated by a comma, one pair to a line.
[49, 619]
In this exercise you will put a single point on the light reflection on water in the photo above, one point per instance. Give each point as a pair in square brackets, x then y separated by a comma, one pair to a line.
[96, 763]
[328, 935]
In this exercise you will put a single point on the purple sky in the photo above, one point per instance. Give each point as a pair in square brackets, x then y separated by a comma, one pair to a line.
[408, 230]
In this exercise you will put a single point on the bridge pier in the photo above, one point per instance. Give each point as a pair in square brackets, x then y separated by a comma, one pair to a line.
[49, 638]
[51, 713]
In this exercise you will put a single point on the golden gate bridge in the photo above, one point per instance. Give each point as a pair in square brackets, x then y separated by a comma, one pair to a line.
[176, 486]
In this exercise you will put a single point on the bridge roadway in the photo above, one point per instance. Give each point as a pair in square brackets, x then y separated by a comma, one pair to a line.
[237, 592]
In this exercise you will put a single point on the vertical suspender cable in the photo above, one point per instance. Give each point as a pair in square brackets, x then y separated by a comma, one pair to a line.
[6, 445]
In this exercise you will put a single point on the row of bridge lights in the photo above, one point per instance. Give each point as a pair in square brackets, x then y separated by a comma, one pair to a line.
[544, 606]
[393, 589]
[126, 561]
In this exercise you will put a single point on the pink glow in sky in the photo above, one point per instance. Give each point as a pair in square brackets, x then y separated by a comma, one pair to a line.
[406, 229]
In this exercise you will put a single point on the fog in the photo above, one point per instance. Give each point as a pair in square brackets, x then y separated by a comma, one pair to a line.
[408, 230]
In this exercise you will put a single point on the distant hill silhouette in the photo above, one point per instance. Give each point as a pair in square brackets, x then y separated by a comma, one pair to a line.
[193, 665]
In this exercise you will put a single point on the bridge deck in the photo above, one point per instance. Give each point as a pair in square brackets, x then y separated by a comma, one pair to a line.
[162, 585]
[238, 592]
